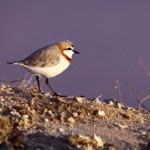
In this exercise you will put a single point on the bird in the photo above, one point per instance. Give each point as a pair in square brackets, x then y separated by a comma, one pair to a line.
[49, 61]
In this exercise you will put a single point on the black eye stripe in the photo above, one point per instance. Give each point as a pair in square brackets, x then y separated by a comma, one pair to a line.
[69, 48]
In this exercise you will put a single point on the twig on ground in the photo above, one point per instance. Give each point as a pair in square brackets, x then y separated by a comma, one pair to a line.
[118, 89]
[27, 82]
[139, 95]
[143, 67]
[13, 81]
[142, 101]
[23, 82]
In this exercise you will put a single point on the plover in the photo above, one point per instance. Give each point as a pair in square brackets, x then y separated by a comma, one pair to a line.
[48, 61]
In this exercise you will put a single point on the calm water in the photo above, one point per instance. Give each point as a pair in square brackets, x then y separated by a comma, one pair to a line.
[109, 35]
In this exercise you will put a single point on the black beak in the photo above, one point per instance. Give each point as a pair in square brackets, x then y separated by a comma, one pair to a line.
[76, 52]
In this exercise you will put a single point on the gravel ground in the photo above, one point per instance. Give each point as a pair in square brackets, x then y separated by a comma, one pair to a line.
[33, 121]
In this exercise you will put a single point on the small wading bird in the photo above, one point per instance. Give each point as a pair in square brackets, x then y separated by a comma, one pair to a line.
[48, 61]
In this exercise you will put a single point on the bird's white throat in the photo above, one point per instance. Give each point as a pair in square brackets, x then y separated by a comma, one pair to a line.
[68, 53]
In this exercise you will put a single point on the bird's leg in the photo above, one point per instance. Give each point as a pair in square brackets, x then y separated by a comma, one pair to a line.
[55, 93]
[37, 79]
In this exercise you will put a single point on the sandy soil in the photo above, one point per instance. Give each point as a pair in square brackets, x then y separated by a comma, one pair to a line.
[33, 121]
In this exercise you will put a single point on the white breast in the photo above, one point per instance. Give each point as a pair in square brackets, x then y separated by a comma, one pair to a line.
[49, 72]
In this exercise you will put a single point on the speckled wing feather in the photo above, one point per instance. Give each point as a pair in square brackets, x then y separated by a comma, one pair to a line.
[45, 57]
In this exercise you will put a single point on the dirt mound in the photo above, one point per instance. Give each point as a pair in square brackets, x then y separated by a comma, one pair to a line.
[29, 120]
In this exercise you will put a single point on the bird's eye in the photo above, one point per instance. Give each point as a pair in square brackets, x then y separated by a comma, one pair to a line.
[69, 48]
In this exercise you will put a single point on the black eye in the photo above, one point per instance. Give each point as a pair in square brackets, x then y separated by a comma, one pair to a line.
[69, 48]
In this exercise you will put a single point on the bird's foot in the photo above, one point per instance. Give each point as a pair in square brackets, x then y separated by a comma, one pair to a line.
[41, 92]
[56, 94]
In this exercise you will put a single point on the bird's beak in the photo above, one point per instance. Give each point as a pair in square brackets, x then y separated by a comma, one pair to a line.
[76, 52]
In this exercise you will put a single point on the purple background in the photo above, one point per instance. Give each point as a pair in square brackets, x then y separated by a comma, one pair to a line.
[110, 35]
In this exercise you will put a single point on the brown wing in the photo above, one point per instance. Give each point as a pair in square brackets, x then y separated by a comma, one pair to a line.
[46, 56]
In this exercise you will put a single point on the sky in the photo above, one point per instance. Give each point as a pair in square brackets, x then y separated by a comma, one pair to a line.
[109, 35]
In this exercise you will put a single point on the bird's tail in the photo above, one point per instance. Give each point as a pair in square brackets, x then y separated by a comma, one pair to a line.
[13, 62]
